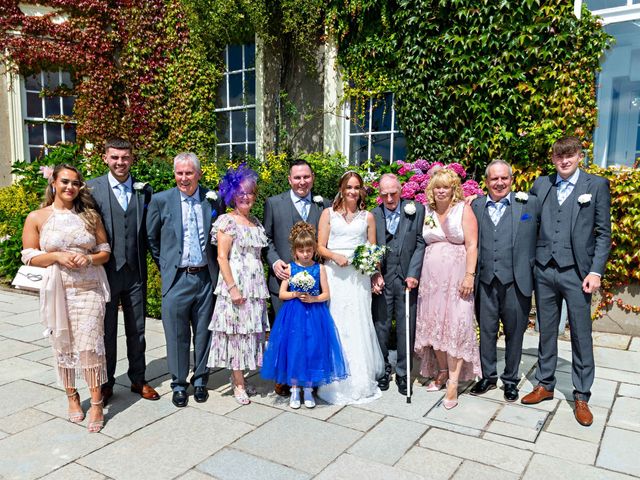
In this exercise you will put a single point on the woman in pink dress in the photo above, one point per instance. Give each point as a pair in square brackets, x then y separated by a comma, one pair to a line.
[445, 329]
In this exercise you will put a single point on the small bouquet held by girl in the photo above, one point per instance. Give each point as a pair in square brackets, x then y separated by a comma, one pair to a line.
[304, 348]
[367, 257]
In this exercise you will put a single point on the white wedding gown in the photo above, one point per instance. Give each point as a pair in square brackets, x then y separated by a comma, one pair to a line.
[350, 307]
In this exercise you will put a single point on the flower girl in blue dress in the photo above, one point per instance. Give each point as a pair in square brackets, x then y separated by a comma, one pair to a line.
[304, 348]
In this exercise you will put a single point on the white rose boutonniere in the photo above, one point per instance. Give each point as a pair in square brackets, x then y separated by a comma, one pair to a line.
[522, 197]
[211, 195]
[584, 198]
[318, 199]
[139, 186]
[429, 221]
[410, 208]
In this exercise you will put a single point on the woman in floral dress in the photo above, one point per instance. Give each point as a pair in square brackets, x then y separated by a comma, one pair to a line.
[239, 319]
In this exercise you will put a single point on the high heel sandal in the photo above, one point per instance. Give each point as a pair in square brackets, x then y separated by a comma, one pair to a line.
[239, 393]
[75, 417]
[248, 388]
[449, 404]
[439, 382]
[96, 425]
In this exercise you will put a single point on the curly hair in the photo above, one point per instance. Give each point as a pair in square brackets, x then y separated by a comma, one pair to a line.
[302, 235]
[338, 202]
[232, 182]
[83, 203]
[444, 178]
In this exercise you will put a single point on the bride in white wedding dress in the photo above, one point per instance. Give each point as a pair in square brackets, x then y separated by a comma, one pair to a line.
[341, 229]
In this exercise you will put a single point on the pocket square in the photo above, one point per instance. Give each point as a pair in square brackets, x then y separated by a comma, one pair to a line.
[525, 217]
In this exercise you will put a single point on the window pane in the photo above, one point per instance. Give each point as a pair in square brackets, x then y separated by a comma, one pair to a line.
[250, 55]
[66, 79]
[235, 58]
[222, 93]
[67, 105]
[36, 133]
[69, 132]
[601, 4]
[34, 153]
[34, 105]
[251, 149]
[399, 147]
[251, 125]
[32, 82]
[358, 149]
[381, 145]
[381, 116]
[250, 87]
[54, 133]
[222, 128]
[359, 116]
[235, 90]
[51, 106]
[223, 152]
[51, 80]
[238, 126]
[238, 150]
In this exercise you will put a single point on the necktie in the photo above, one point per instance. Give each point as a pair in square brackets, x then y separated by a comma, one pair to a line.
[392, 222]
[304, 208]
[122, 196]
[563, 190]
[195, 248]
[496, 210]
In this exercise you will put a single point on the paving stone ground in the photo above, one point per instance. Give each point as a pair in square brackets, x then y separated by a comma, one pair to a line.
[484, 437]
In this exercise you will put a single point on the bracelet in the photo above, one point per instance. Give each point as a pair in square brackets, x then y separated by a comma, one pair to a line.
[231, 286]
[90, 258]
[473, 274]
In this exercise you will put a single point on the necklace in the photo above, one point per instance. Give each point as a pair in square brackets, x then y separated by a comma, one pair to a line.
[349, 216]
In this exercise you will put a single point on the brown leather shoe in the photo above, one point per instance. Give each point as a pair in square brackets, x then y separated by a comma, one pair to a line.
[145, 390]
[538, 395]
[107, 393]
[583, 414]
[282, 389]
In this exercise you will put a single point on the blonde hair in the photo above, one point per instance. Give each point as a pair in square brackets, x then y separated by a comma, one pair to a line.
[444, 178]
[302, 235]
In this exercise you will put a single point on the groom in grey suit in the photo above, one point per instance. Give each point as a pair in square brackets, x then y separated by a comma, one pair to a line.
[507, 230]
[399, 226]
[178, 225]
[571, 253]
[122, 204]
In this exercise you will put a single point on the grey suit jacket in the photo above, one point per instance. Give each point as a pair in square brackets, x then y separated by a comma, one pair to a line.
[525, 218]
[409, 236]
[280, 215]
[101, 191]
[590, 221]
[164, 230]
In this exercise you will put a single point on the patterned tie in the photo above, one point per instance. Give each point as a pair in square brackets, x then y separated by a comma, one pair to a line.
[564, 190]
[392, 222]
[195, 247]
[122, 196]
[304, 208]
[496, 210]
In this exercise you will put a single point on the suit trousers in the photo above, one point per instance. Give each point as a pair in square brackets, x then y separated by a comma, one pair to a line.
[496, 302]
[553, 284]
[187, 309]
[129, 290]
[390, 305]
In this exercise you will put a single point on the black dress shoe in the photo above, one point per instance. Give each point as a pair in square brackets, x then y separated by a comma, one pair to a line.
[510, 393]
[483, 386]
[402, 384]
[383, 382]
[180, 398]
[200, 394]
[107, 393]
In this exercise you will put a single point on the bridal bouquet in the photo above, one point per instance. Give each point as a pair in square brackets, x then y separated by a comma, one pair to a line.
[302, 281]
[366, 258]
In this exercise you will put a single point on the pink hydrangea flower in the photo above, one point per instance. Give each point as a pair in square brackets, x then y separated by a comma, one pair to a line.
[379, 200]
[459, 169]
[471, 187]
[422, 164]
[422, 198]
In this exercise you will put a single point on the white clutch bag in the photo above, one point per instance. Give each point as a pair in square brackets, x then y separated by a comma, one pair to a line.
[28, 278]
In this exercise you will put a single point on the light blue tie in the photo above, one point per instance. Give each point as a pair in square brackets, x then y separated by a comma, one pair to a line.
[496, 210]
[392, 222]
[563, 190]
[304, 208]
[195, 248]
[122, 196]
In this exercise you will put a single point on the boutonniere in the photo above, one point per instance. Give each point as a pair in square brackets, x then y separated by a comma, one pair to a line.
[410, 208]
[522, 197]
[584, 198]
[211, 195]
[429, 221]
[318, 199]
[139, 186]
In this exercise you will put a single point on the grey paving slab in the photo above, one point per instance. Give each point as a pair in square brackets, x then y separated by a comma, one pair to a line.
[611, 340]
[356, 418]
[395, 405]
[471, 412]
[634, 345]
[231, 464]
[73, 471]
[21, 394]
[429, 464]
[619, 451]
[3, 434]
[299, 447]
[349, 467]
[12, 348]
[156, 368]
[38, 354]
[564, 423]
[126, 414]
[254, 414]
[617, 375]
[160, 352]
[47, 377]
[37, 451]
[626, 414]
[388, 441]
[552, 468]
[628, 390]
[30, 333]
[476, 449]
[602, 392]
[512, 431]
[472, 471]
[617, 359]
[23, 419]
[22, 319]
[23, 306]
[168, 444]
[572, 449]
[196, 475]
[218, 404]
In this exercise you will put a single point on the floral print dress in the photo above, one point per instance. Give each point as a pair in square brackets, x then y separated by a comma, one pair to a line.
[238, 331]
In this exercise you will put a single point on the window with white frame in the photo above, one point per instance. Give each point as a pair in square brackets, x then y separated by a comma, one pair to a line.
[236, 112]
[373, 131]
[47, 112]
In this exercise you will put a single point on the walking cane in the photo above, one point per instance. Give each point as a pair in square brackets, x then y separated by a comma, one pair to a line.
[407, 336]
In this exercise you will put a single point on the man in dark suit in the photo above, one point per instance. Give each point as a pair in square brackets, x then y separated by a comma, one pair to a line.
[571, 252]
[178, 225]
[398, 227]
[507, 230]
[122, 203]
[281, 212]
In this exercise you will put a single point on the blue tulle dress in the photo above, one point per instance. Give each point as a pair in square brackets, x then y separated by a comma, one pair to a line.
[304, 348]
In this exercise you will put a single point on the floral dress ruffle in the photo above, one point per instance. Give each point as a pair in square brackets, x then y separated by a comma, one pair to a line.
[238, 337]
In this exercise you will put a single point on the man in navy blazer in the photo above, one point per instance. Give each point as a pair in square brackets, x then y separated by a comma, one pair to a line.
[573, 245]
[178, 225]
[122, 204]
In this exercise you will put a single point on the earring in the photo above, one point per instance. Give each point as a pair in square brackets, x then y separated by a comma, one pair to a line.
[53, 190]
